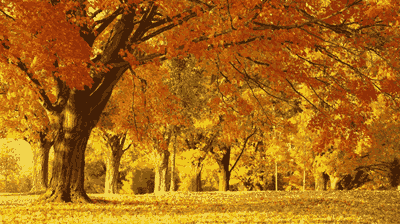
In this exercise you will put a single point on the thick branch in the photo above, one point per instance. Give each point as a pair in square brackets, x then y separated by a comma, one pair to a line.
[46, 103]
[8, 16]
[164, 21]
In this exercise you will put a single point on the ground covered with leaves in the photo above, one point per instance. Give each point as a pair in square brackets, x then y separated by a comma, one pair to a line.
[211, 207]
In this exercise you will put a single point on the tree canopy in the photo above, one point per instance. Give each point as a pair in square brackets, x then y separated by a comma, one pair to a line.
[266, 59]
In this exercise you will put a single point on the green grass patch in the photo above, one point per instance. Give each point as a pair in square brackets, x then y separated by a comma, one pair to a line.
[211, 207]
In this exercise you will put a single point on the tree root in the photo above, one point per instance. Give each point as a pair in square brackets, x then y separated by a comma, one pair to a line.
[57, 196]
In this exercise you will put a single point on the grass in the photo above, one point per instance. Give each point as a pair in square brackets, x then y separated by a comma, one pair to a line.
[211, 207]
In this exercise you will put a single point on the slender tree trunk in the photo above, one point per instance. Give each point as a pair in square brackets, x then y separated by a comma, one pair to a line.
[304, 179]
[276, 176]
[198, 186]
[161, 170]
[173, 184]
[41, 151]
[161, 161]
[224, 173]
[6, 190]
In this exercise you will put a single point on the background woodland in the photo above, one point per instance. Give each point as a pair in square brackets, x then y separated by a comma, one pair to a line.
[155, 96]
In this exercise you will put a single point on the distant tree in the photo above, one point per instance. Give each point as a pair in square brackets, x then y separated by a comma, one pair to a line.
[9, 169]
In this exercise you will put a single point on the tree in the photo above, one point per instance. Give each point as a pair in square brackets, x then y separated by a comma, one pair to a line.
[222, 157]
[113, 129]
[191, 85]
[198, 144]
[30, 124]
[155, 115]
[113, 159]
[9, 169]
[40, 57]
[374, 157]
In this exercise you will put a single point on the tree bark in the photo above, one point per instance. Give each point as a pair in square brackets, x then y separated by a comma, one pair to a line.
[75, 120]
[321, 181]
[41, 151]
[67, 181]
[161, 170]
[173, 183]
[276, 176]
[224, 178]
[161, 160]
[320, 177]
[197, 166]
[66, 184]
[113, 160]
[224, 173]
[304, 179]
[112, 175]
[198, 186]
[334, 182]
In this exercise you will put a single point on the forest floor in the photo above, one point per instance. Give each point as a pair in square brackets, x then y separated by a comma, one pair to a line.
[211, 207]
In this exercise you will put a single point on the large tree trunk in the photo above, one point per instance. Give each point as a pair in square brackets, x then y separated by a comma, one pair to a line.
[113, 160]
[224, 173]
[75, 120]
[161, 169]
[66, 184]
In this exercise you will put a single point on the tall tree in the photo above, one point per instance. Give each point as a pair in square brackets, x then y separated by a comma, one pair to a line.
[115, 144]
[192, 86]
[59, 37]
[113, 128]
[223, 157]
